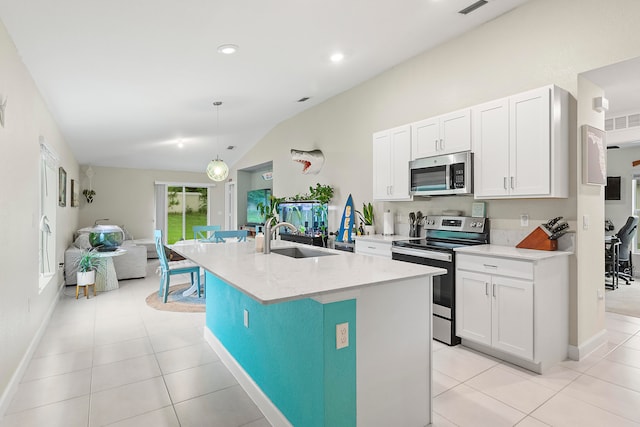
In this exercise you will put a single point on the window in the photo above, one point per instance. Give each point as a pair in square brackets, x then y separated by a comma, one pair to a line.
[48, 203]
[186, 207]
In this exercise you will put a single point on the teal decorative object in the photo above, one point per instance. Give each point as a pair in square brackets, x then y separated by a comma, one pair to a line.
[348, 222]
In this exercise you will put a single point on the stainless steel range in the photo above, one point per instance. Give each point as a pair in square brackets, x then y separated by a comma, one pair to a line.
[443, 234]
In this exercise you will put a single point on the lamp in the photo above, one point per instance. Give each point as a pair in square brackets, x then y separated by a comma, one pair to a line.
[217, 170]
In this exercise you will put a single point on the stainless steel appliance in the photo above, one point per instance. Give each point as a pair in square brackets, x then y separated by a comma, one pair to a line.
[442, 175]
[443, 234]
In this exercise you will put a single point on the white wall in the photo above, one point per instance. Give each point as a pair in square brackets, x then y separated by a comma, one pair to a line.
[543, 42]
[619, 163]
[23, 309]
[126, 197]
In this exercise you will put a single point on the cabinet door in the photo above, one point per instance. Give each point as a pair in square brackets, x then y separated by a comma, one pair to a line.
[512, 314]
[367, 247]
[381, 165]
[491, 149]
[425, 138]
[400, 157]
[455, 132]
[530, 136]
[473, 306]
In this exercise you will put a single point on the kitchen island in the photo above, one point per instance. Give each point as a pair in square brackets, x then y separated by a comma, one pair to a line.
[335, 340]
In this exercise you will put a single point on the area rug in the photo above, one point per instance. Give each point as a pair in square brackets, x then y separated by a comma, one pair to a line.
[177, 302]
[624, 300]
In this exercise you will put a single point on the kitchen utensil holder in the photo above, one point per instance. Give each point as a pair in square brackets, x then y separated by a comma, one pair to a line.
[415, 230]
[538, 239]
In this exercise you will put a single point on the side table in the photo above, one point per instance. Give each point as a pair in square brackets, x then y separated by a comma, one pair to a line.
[106, 279]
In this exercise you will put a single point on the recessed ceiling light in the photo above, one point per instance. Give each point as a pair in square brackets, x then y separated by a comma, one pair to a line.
[180, 144]
[227, 49]
[337, 57]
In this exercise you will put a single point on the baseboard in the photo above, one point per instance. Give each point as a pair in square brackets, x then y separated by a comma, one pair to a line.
[270, 411]
[12, 386]
[588, 347]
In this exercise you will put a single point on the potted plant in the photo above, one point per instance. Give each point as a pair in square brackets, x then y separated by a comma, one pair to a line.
[270, 210]
[87, 265]
[367, 215]
[88, 194]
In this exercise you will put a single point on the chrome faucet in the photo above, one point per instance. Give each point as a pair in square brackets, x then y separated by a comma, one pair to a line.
[268, 231]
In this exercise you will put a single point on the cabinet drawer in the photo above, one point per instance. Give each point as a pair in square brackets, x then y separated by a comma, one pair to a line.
[373, 248]
[499, 266]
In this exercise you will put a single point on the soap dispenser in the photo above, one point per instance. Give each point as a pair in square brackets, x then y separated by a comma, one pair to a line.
[259, 240]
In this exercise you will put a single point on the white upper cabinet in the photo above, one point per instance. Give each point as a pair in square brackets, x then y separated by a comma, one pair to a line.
[446, 134]
[520, 145]
[391, 156]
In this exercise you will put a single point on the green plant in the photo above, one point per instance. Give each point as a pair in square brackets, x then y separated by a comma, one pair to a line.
[321, 193]
[89, 260]
[270, 210]
[367, 213]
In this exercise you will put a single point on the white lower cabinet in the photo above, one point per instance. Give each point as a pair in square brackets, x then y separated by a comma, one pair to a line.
[516, 310]
[370, 247]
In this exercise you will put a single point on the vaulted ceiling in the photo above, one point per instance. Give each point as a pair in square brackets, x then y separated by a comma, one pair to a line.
[127, 81]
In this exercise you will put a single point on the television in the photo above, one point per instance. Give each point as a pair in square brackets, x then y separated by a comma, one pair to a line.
[254, 197]
[612, 189]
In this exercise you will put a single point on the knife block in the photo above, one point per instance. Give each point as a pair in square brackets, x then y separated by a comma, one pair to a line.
[538, 239]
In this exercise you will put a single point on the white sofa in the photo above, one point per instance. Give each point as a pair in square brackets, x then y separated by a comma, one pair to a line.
[131, 265]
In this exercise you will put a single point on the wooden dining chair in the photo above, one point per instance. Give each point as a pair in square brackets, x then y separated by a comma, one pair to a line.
[220, 236]
[174, 267]
[204, 233]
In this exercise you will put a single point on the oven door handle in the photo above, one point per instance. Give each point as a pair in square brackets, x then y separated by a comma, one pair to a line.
[421, 253]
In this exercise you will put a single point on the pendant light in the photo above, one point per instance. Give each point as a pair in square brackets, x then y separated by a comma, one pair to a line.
[217, 170]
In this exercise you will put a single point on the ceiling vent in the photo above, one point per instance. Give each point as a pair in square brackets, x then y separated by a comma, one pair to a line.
[473, 7]
[230, 147]
[627, 121]
[303, 99]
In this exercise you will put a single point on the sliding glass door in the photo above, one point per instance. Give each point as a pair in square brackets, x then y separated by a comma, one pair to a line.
[186, 207]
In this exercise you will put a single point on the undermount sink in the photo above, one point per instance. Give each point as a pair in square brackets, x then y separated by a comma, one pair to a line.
[296, 252]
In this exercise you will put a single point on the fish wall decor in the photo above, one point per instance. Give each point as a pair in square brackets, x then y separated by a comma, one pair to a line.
[312, 160]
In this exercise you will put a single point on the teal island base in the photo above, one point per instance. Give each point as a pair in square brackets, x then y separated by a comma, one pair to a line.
[285, 354]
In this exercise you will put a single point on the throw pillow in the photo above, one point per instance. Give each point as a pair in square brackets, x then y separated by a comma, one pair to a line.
[82, 241]
[127, 235]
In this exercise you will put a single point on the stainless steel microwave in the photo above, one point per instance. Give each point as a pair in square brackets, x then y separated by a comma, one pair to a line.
[442, 175]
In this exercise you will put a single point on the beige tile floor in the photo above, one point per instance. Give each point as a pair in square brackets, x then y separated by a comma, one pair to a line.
[111, 360]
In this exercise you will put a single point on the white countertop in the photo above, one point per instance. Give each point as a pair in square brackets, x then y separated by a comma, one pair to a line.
[276, 278]
[510, 252]
[384, 238]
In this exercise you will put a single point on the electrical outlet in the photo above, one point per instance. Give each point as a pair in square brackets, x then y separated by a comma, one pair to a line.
[342, 335]
[524, 220]
[246, 318]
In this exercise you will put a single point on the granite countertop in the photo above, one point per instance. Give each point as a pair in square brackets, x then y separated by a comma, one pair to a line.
[384, 238]
[510, 252]
[276, 278]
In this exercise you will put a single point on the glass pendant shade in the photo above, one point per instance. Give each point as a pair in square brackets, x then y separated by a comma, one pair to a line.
[217, 170]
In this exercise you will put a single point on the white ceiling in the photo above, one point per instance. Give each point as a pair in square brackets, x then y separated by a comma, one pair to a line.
[125, 80]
